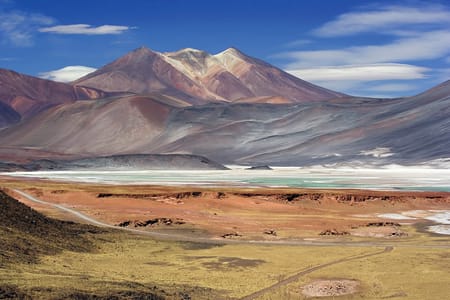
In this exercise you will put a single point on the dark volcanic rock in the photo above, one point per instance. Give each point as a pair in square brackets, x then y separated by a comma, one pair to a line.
[334, 232]
[270, 232]
[231, 235]
[383, 224]
[10, 167]
[261, 167]
[151, 222]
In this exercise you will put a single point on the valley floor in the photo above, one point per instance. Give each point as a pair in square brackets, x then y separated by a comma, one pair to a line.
[237, 243]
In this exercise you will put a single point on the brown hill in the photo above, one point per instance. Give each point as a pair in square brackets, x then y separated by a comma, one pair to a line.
[199, 77]
[103, 127]
[408, 131]
[26, 96]
[26, 234]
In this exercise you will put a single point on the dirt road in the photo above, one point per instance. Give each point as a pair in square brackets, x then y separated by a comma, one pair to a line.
[209, 240]
[296, 276]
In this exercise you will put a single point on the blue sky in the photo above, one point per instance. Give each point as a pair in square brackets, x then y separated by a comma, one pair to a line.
[379, 49]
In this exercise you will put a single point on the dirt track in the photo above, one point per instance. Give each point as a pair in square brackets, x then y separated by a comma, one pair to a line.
[259, 293]
[183, 238]
[296, 276]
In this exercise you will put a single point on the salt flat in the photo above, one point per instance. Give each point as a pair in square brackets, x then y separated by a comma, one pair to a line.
[389, 178]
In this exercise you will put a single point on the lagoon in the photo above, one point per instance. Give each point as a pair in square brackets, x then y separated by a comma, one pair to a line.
[393, 178]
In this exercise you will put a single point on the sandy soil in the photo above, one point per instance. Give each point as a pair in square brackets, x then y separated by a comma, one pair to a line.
[237, 212]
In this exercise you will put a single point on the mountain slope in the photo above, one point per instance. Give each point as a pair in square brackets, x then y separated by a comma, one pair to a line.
[144, 71]
[106, 126]
[120, 162]
[199, 77]
[8, 115]
[27, 234]
[28, 95]
[407, 131]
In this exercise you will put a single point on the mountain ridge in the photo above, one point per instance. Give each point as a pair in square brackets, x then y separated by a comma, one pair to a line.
[230, 126]
[27, 96]
[199, 77]
[403, 131]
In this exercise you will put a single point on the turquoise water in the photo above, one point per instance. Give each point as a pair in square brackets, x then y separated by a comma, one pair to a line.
[423, 179]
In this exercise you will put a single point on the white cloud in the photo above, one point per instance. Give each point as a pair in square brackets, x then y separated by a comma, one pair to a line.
[384, 18]
[417, 34]
[374, 89]
[391, 87]
[297, 43]
[17, 27]
[428, 45]
[85, 29]
[369, 72]
[67, 74]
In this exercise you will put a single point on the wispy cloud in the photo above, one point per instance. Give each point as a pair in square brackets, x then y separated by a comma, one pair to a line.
[297, 43]
[384, 18]
[427, 45]
[391, 87]
[67, 74]
[86, 29]
[17, 27]
[413, 34]
[362, 72]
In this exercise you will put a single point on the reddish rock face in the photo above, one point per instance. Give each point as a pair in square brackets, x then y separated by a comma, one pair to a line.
[199, 77]
[27, 95]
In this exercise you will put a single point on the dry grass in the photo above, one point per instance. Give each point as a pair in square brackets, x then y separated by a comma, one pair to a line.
[230, 270]
[123, 261]
[405, 273]
[233, 271]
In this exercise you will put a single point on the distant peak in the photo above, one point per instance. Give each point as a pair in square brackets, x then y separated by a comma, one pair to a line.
[186, 51]
[142, 49]
[190, 50]
[233, 51]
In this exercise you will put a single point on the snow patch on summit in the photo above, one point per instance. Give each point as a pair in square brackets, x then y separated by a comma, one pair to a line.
[379, 152]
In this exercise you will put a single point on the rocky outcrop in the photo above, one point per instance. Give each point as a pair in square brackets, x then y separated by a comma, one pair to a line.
[151, 222]
[261, 167]
[333, 232]
[231, 235]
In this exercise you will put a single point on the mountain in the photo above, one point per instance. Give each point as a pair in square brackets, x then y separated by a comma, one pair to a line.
[8, 115]
[106, 126]
[120, 162]
[23, 96]
[410, 130]
[228, 107]
[199, 77]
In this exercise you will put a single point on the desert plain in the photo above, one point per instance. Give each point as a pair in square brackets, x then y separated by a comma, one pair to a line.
[190, 242]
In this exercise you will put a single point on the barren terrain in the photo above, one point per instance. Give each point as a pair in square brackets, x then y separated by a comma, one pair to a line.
[242, 213]
[234, 243]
